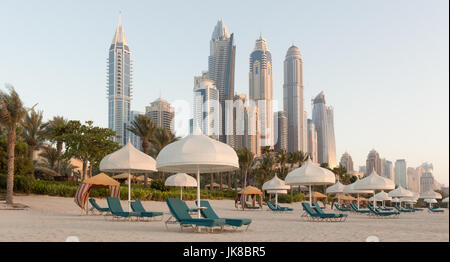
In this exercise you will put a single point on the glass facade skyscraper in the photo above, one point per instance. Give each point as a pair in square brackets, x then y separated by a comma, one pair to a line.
[119, 85]
[323, 120]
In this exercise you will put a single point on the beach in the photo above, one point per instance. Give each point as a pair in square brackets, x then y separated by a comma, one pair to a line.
[56, 218]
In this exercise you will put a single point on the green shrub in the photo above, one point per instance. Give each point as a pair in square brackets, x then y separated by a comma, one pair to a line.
[158, 184]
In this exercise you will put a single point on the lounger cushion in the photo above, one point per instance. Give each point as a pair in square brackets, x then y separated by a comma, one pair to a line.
[209, 212]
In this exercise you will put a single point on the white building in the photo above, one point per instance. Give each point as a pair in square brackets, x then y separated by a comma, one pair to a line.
[261, 89]
[119, 85]
[323, 120]
[293, 100]
[206, 107]
[400, 173]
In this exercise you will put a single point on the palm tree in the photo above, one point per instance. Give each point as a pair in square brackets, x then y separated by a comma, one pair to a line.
[54, 130]
[246, 158]
[144, 128]
[302, 157]
[282, 158]
[292, 159]
[265, 167]
[12, 113]
[33, 132]
[51, 156]
[161, 138]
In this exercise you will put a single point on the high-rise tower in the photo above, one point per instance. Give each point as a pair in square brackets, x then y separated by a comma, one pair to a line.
[221, 71]
[323, 120]
[261, 90]
[293, 100]
[119, 84]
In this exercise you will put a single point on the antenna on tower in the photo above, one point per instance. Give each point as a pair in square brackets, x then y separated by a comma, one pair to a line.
[120, 17]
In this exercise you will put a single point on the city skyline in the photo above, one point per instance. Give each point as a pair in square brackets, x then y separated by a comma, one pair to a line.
[354, 134]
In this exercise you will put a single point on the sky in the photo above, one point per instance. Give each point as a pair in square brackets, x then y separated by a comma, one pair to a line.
[383, 65]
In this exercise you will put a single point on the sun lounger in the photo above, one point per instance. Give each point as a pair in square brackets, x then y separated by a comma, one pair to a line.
[209, 212]
[136, 206]
[360, 211]
[435, 210]
[400, 209]
[341, 209]
[382, 214]
[320, 211]
[180, 211]
[284, 208]
[116, 209]
[251, 207]
[96, 207]
[315, 216]
[277, 208]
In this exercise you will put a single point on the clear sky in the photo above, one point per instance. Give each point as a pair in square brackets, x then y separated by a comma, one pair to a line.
[383, 65]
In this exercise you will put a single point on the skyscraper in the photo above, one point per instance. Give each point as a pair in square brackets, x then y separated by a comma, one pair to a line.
[282, 130]
[261, 90]
[161, 113]
[400, 173]
[119, 84]
[388, 171]
[221, 70]
[293, 100]
[331, 138]
[413, 179]
[246, 125]
[206, 107]
[347, 162]
[312, 141]
[134, 139]
[323, 120]
[373, 162]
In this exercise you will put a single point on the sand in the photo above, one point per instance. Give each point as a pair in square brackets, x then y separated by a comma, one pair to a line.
[56, 218]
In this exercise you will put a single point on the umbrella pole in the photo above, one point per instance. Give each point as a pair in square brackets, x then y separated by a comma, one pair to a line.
[198, 193]
[310, 195]
[129, 191]
[374, 201]
[358, 200]
[276, 199]
[181, 194]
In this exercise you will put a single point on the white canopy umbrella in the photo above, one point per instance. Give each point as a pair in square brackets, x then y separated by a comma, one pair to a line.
[430, 195]
[195, 154]
[374, 182]
[401, 192]
[128, 159]
[275, 186]
[381, 197]
[445, 200]
[337, 188]
[310, 174]
[430, 200]
[350, 189]
[181, 180]
[396, 200]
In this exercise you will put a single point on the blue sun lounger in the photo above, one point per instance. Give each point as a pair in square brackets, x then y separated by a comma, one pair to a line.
[319, 210]
[357, 210]
[95, 206]
[313, 215]
[209, 212]
[341, 208]
[136, 206]
[180, 211]
[382, 214]
[116, 209]
[435, 210]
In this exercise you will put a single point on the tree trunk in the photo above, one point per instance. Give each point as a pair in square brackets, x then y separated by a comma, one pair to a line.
[30, 156]
[212, 181]
[90, 170]
[145, 180]
[221, 180]
[229, 181]
[83, 176]
[10, 179]
[245, 179]
[59, 149]
[235, 179]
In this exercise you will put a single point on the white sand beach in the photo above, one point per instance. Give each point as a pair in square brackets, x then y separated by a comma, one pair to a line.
[56, 218]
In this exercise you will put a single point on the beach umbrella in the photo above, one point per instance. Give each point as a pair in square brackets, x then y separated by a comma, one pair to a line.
[348, 198]
[395, 200]
[374, 182]
[430, 195]
[197, 154]
[337, 188]
[181, 180]
[275, 185]
[350, 189]
[128, 159]
[430, 200]
[401, 192]
[445, 200]
[310, 175]
[381, 197]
